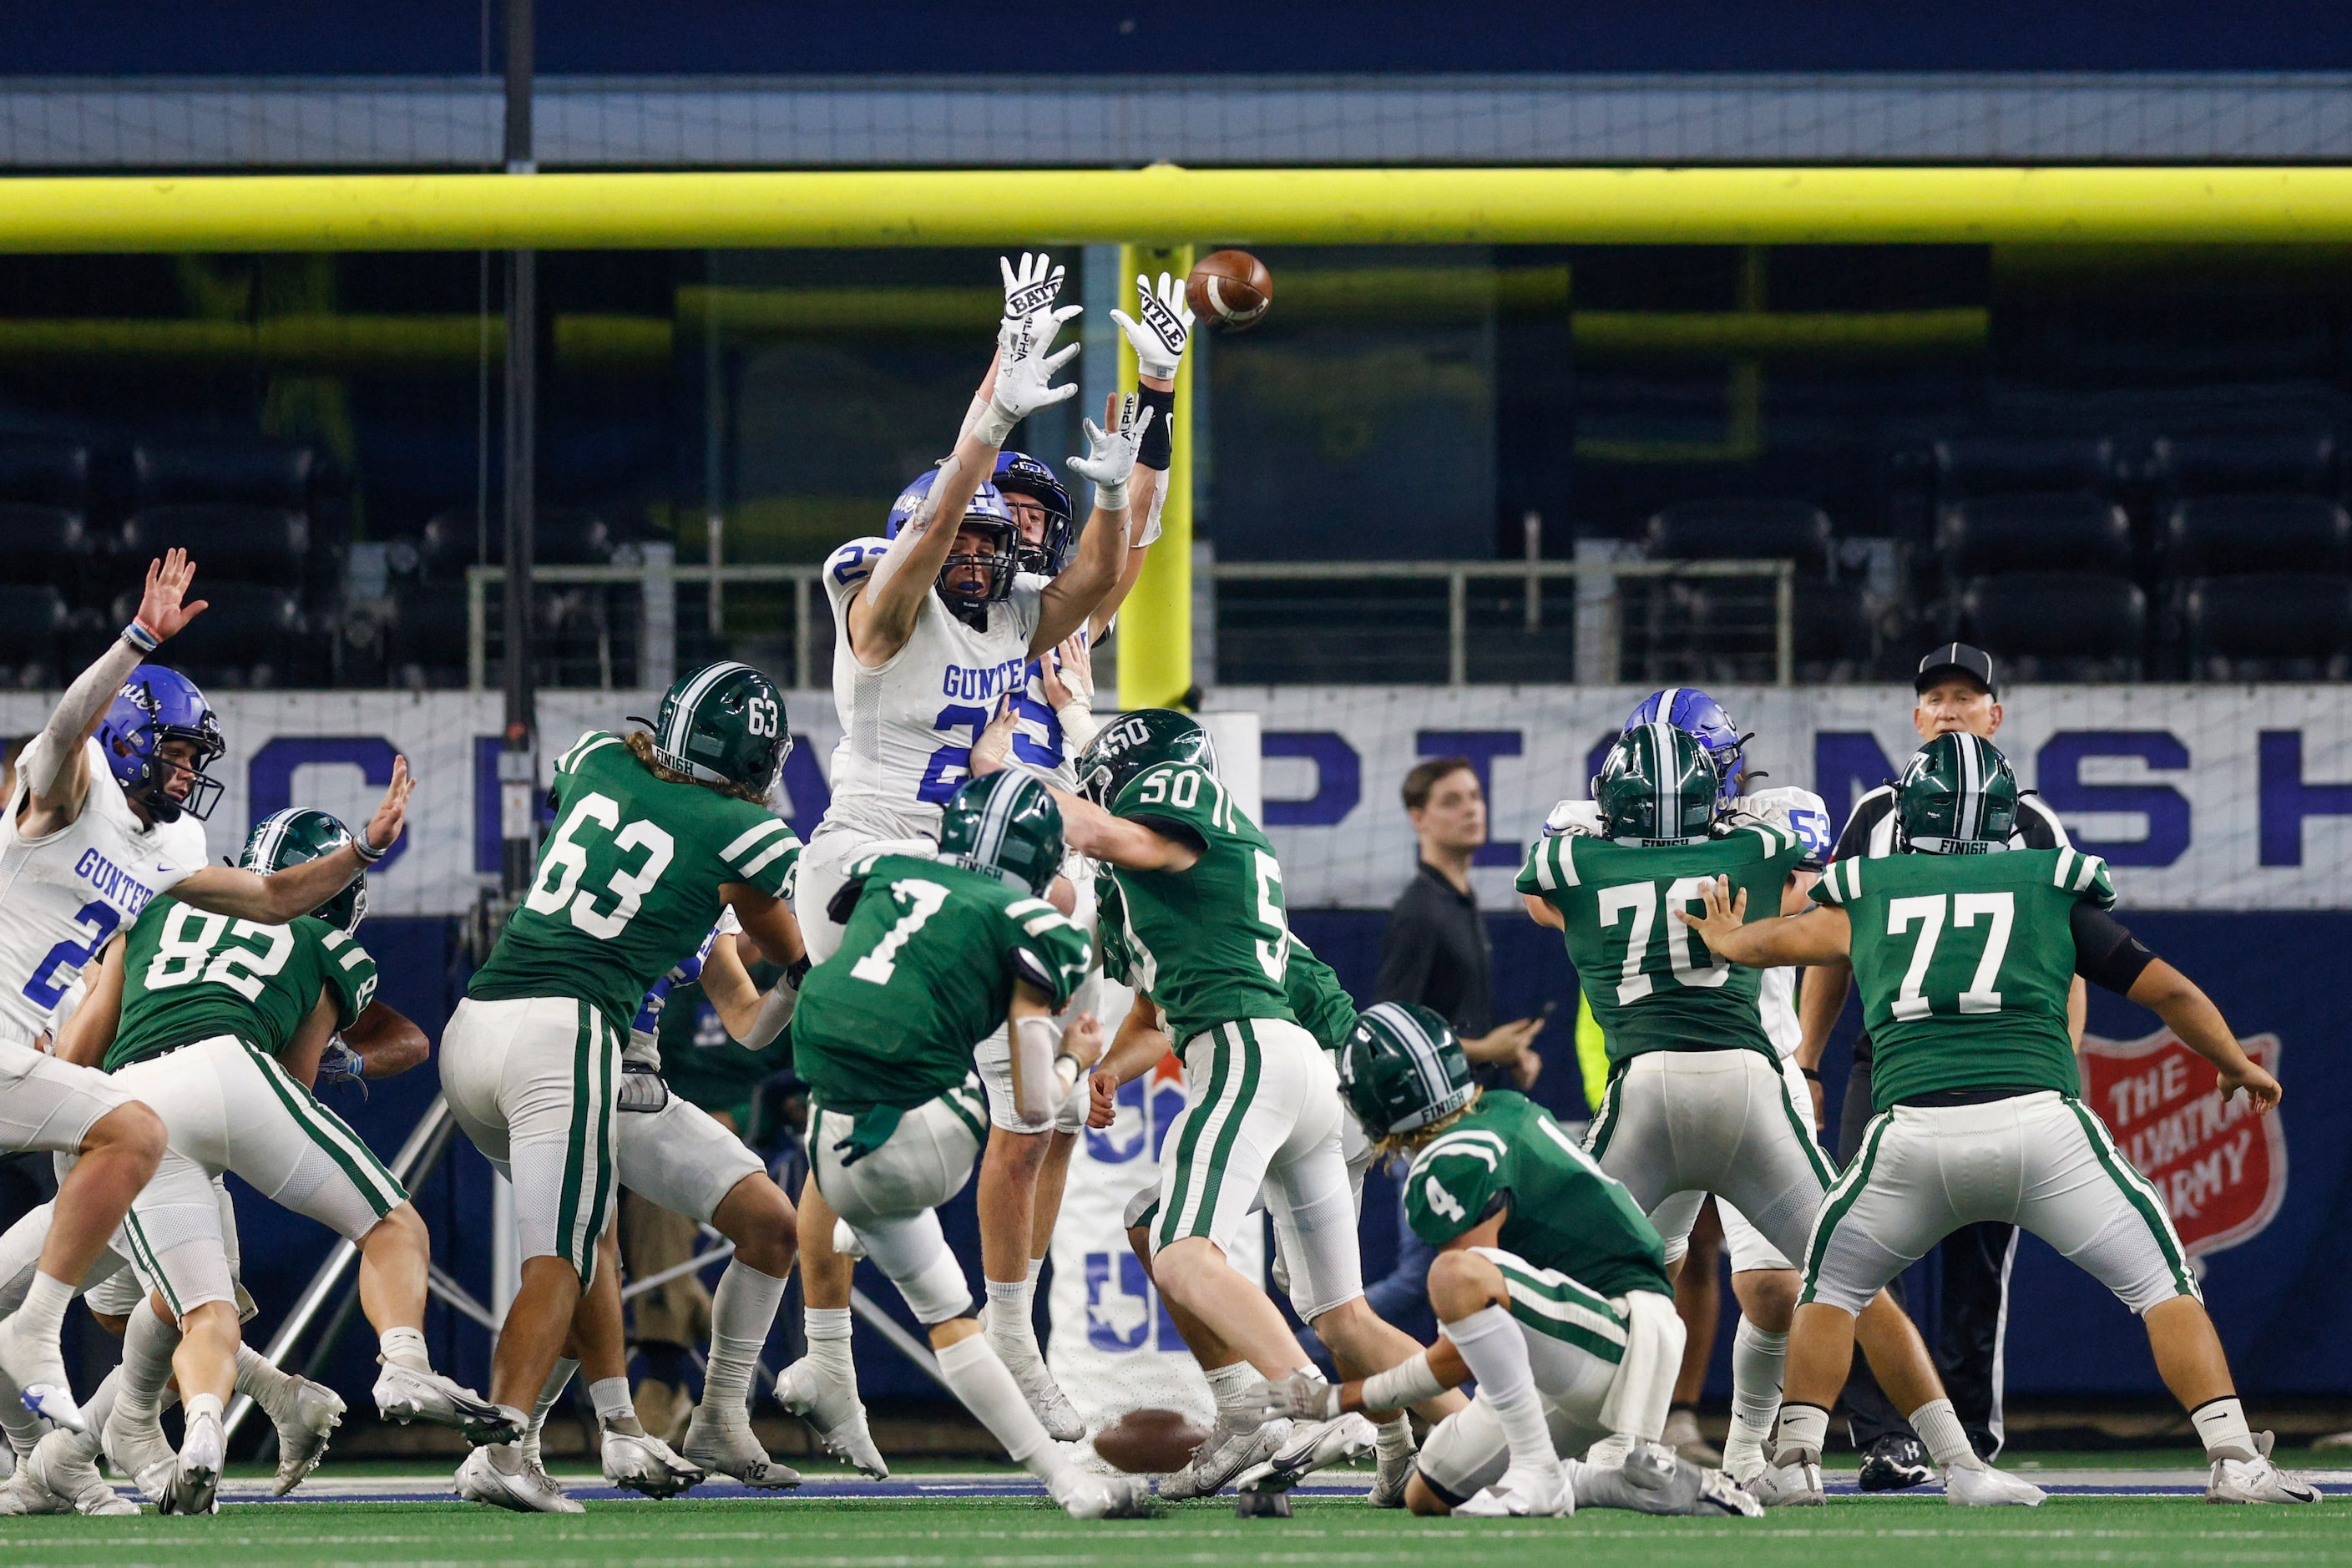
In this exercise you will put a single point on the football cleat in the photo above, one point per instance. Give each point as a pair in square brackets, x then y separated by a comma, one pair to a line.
[1047, 1401]
[1684, 1437]
[1229, 1449]
[1895, 1461]
[1085, 1496]
[643, 1463]
[1797, 1485]
[529, 1490]
[38, 1369]
[2257, 1480]
[404, 1394]
[306, 1416]
[139, 1449]
[730, 1448]
[1523, 1494]
[1391, 1473]
[194, 1486]
[1656, 1480]
[1313, 1445]
[63, 1470]
[835, 1414]
[1981, 1486]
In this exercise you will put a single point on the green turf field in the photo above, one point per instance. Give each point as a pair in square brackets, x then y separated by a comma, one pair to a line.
[818, 1533]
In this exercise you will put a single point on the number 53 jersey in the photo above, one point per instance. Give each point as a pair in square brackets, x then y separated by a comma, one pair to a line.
[627, 883]
[188, 976]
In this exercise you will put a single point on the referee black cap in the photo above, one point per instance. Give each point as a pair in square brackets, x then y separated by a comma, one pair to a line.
[1956, 659]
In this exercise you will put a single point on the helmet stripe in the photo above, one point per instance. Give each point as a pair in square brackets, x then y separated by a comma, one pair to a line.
[681, 719]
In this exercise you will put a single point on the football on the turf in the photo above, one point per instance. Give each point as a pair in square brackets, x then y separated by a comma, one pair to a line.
[1150, 1442]
[1231, 288]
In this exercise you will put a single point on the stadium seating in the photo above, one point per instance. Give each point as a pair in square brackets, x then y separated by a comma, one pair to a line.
[2078, 625]
[2216, 536]
[249, 636]
[1742, 528]
[2033, 532]
[2274, 626]
[34, 635]
[2291, 462]
[2002, 465]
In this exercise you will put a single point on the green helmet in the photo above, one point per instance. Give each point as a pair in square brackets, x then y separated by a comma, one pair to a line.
[1007, 825]
[297, 833]
[1958, 797]
[1656, 786]
[1134, 742]
[1402, 1068]
[724, 724]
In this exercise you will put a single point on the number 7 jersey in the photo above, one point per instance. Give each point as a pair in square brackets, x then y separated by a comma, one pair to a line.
[627, 883]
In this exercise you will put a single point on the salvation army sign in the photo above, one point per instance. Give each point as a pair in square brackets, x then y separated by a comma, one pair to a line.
[2221, 1168]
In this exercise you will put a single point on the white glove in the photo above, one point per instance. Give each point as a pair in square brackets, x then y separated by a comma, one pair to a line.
[1025, 373]
[1302, 1396]
[1110, 454]
[1031, 286]
[1166, 326]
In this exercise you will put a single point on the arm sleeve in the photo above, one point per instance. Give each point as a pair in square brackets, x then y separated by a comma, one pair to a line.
[1324, 1007]
[75, 713]
[1406, 953]
[2105, 952]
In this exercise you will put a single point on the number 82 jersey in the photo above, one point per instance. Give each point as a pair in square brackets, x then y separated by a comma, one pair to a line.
[629, 880]
[189, 975]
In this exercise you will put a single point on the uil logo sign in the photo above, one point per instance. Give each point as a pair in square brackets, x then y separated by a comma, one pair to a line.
[2222, 1168]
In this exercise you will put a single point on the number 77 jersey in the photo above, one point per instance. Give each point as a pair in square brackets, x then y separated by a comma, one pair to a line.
[1653, 983]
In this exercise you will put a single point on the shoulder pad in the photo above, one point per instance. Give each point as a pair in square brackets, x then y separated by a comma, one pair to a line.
[1797, 811]
[852, 562]
[1573, 816]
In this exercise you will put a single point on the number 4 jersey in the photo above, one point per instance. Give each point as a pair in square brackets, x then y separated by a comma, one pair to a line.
[188, 976]
[627, 883]
[1654, 985]
[1964, 963]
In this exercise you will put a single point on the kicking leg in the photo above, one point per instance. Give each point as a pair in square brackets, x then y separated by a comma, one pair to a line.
[1013, 1189]
[821, 1388]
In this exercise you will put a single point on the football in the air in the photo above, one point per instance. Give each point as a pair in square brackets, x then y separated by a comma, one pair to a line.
[1150, 1442]
[1231, 288]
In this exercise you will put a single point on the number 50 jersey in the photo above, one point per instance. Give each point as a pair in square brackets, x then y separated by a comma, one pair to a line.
[628, 883]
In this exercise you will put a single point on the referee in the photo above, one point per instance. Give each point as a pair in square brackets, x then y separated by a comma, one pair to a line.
[1955, 692]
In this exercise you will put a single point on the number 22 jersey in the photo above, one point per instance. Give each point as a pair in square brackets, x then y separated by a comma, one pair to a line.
[628, 881]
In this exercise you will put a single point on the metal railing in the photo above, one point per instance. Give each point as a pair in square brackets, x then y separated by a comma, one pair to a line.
[1596, 609]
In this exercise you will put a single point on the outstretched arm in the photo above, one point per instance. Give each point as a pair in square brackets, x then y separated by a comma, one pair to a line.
[1814, 937]
[53, 764]
[1159, 332]
[2190, 1013]
[1086, 826]
[1111, 447]
[280, 895]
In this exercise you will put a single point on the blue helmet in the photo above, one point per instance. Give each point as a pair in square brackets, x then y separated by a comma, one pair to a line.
[1018, 473]
[157, 705]
[987, 514]
[1702, 718]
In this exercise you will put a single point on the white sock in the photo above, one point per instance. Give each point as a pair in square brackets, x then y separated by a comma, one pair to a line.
[980, 1380]
[1010, 1329]
[24, 1429]
[43, 1315]
[609, 1395]
[743, 1310]
[2221, 1424]
[263, 1384]
[404, 1347]
[96, 1409]
[148, 1342]
[828, 1341]
[205, 1405]
[1496, 1352]
[1758, 1363]
[1233, 1387]
[1947, 1443]
[559, 1378]
[1804, 1432]
[1394, 1436]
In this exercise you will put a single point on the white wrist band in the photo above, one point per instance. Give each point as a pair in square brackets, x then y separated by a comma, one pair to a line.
[1400, 1387]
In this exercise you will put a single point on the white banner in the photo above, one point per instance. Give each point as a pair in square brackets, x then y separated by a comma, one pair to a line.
[2200, 797]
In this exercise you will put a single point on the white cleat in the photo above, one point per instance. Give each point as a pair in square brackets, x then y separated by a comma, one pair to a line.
[1390, 1476]
[644, 1463]
[404, 1394]
[1228, 1450]
[1085, 1496]
[194, 1486]
[20, 1496]
[63, 1470]
[527, 1490]
[38, 1369]
[2257, 1480]
[1036, 1380]
[1981, 1486]
[1312, 1446]
[1523, 1494]
[834, 1413]
[304, 1425]
[731, 1448]
[1794, 1485]
[139, 1449]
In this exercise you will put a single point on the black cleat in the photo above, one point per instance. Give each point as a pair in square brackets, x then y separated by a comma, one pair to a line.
[1894, 1462]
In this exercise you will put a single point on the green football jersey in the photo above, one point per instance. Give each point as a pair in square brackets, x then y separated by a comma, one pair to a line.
[628, 883]
[1965, 963]
[1653, 982]
[189, 975]
[1211, 943]
[925, 973]
[1565, 1212]
[1320, 1003]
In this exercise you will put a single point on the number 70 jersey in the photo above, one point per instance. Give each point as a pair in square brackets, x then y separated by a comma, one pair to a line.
[629, 880]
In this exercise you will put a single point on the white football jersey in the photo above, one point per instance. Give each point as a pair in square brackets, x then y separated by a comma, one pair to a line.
[907, 727]
[61, 898]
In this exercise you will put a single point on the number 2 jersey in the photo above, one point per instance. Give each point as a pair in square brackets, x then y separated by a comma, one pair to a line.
[1965, 962]
[908, 726]
[1565, 1212]
[63, 896]
[1211, 943]
[1652, 980]
[190, 975]
[627, 883]
[925, 973]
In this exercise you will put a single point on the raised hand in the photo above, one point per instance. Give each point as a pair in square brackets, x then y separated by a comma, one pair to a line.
[1165, 327]
[161, 610]
[991, 749]
[383, 827]
[1031, 286]
[1068, 674]
[1026, 369]
[1110, 454]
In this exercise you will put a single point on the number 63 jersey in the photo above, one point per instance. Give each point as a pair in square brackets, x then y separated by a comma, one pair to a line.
[188, 976]
[627, 883]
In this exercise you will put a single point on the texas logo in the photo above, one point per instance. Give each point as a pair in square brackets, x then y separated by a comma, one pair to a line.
[2221, 1168]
